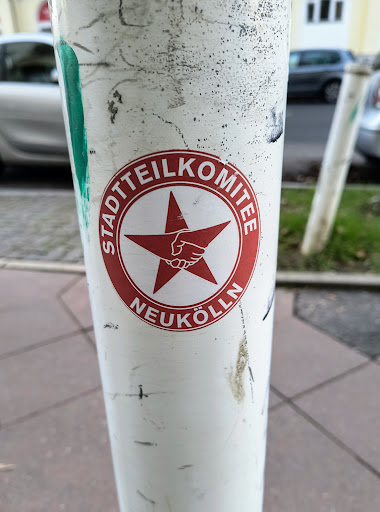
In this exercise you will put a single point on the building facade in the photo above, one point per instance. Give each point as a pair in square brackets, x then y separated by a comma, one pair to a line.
[345, 24]
[24, 16]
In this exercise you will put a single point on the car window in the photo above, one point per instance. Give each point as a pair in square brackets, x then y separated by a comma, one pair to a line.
[333, 57]
[319, 58]
[376, 62]
[294, 59]
[28, 62]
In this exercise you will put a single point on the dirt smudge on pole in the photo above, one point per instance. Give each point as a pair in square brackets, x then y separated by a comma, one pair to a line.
[236, 377]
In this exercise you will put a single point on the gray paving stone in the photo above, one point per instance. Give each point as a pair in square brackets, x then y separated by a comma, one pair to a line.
[351, 316]
[39, 227]
[74, 255]
[46, 375]
[350, 409]
[304, 357]
[62, 461]
[306, 472]
[57, 253]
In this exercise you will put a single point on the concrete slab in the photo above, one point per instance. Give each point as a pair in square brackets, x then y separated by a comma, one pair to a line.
[350, 409]
[77, 300]
[304, 357]
[308, 472]
[274, 400]
[284, 305]
[61, 461]
[33, 322]
[21, 287]
[340, 314]
[91, 335]
[44, 376]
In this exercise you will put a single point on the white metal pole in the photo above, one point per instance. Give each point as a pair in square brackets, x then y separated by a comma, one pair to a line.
[337, 157]
[174, 113]
[9, 21]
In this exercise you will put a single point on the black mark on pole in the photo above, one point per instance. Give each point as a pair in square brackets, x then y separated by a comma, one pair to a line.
[276, 128]
[270, 304]
[141, 393]
[83, 48]
[145, 498]
[113, 110]
[118, 97]
[96, 64]
[121, 15]
[110, 325]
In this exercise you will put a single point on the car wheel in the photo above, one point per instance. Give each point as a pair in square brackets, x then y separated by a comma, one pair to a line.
[330, 91]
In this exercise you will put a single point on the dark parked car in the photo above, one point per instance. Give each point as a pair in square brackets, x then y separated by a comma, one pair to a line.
[315, 73]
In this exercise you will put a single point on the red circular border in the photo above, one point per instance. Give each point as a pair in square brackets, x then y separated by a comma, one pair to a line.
[249, 244]
[144, 295]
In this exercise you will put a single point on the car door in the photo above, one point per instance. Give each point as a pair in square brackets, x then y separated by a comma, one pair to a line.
[314, 65]
[294, 60]
[31, 118]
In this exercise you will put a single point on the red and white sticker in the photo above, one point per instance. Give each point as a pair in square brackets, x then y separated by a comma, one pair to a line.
[179, 233]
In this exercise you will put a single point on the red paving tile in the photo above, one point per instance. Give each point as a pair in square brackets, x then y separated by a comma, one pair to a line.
[44, 376]
[33, 322]
[61, 453]
[350, 409]
[306, 472]
[303, 357]
[61, 461]
[77, 300]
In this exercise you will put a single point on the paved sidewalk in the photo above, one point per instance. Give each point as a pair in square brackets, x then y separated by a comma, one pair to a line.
[39, 225]
[324, 422]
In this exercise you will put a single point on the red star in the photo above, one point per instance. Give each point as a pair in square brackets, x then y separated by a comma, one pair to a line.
[179, 248]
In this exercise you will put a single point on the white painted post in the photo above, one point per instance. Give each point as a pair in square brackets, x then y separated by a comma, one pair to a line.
[337, 157]
[9, 21]
[174, 113]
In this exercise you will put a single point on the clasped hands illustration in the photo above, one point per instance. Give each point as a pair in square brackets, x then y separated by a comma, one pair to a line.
[184, 251]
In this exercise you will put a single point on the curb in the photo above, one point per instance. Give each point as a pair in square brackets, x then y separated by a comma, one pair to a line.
[283, 279]
[38, 192]
[294, 185]
[328, 279]
[42, 266]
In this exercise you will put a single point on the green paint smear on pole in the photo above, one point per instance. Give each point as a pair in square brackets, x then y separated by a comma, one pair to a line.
[73, 93]
[354, 112]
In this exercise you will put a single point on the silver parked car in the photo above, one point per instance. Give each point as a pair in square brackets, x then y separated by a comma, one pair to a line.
[315, 73]
[31, 120]
[368, 142]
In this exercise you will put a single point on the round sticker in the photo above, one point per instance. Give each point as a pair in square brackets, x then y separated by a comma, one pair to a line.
[179, 234]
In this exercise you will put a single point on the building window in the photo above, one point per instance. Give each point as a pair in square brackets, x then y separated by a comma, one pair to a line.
[310, 13]
[339, 11]
[324, 11]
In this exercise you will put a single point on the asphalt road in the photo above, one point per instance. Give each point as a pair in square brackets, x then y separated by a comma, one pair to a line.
[306, 132]
[308, 123]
